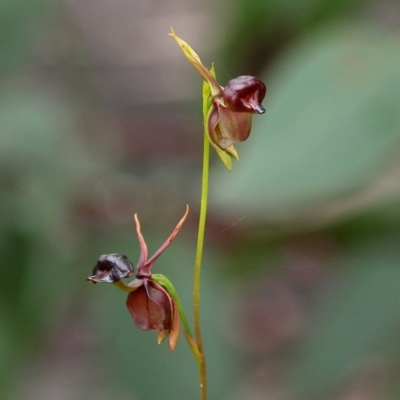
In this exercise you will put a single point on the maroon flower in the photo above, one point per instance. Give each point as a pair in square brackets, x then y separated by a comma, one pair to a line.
[230, 109]
[229, 118]
[149, 303]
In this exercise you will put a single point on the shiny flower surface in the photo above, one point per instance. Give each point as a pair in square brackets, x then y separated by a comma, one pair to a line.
[111, 268]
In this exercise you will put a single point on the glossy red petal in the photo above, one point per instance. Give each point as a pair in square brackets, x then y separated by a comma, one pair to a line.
[145, 312]
[232, 127]
[245, 94]
[162, 298]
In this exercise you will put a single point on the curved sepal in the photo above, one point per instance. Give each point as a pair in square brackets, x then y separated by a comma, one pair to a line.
[194, 59]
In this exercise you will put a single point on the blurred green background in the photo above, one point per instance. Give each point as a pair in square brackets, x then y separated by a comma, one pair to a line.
[100, 117]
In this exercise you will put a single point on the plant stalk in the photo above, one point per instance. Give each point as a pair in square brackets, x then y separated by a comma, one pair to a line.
[197, 269]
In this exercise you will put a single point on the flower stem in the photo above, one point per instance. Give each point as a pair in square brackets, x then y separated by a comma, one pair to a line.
[124, 287]
[201, 362]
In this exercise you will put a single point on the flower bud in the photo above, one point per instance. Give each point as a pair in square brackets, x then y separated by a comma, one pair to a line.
[245, 94]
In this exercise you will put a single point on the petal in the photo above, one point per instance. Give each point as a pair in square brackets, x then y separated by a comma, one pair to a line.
[175, 325]
[177, 312]
[245, 94]
[212, 121]
[111, 268]
[232, 152]
[227, 127]
[143, 246]
[150, 307]
[233, 126]
[194, 59]
[145, 270]
[161, 297]
[143, 311]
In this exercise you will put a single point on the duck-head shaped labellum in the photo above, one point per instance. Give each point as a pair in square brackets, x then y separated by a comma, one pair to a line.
[111, 268]
[245, 94]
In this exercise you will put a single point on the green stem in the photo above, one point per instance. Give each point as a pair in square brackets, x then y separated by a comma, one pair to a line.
[124, 287]
[197, 268]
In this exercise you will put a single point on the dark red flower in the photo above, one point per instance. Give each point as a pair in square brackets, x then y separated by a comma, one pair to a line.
[229, 118]
[149, 303]
[230, 108]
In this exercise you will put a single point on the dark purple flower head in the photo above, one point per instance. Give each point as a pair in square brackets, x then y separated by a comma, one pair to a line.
[111, 268]
[245, 94]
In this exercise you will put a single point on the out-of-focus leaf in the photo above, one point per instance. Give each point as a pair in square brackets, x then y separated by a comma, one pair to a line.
[332, 127]
[20, 24]
[274, 23]
[357, 319]
[9, 351]
[42, 162]
[42, 167]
